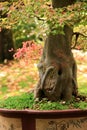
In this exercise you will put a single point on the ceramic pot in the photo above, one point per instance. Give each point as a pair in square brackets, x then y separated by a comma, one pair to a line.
[43, 120]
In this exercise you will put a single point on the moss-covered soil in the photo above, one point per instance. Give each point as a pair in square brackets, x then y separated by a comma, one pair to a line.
[27, 101]
[18, 78]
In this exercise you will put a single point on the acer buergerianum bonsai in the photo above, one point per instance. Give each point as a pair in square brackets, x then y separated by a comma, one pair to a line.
[57, 67]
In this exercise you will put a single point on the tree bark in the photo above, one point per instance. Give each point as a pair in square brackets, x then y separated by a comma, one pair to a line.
[6, 40]
[6, 44]
[62, 3]
[57, 67]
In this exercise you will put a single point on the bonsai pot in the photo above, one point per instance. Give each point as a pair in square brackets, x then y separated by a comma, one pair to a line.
[43, 119]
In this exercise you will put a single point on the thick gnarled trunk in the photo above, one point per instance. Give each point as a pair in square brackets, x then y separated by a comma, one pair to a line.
[57, 67]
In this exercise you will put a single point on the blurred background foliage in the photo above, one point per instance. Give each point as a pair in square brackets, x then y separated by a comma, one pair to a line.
[31, 20]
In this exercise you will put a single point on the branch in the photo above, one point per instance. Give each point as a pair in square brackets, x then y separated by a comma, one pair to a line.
[42, 19]
[77, 34]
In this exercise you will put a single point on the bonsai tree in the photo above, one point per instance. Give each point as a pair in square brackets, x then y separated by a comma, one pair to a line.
[57, 67]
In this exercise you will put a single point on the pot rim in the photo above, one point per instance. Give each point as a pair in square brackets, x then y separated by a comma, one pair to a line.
[3, 110]
[45, 114]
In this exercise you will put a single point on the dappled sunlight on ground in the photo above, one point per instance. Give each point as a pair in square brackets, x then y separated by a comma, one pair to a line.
[81, 59]
[17, 77]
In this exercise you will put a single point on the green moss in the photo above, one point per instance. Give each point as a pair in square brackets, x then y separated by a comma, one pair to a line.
[26, 101]
[18, 102]
[48, 105]
[81, 105]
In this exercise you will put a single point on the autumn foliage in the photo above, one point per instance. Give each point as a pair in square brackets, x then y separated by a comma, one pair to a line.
[29, 50]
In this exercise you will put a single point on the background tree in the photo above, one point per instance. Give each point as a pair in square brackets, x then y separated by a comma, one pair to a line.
[6, 38]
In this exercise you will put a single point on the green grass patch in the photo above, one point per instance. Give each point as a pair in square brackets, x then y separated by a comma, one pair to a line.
[25, 83]
[3, 80]
[4, 88]
[83, 88]
[30, 79]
